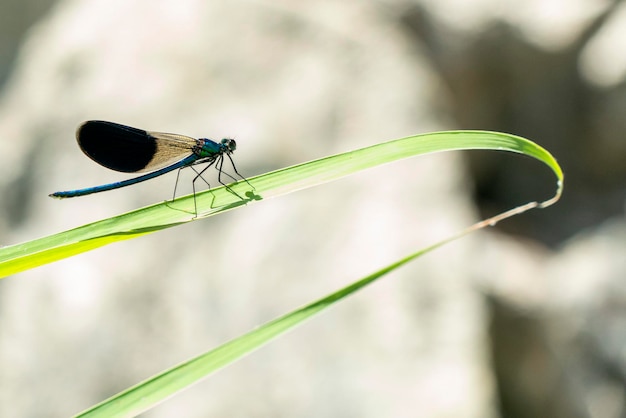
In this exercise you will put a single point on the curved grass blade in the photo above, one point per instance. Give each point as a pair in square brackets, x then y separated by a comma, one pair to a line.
[20, 257]
[153, 391]
[148, 394]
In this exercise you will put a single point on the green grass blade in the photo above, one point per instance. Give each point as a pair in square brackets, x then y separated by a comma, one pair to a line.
[20, 257]
[150, 393]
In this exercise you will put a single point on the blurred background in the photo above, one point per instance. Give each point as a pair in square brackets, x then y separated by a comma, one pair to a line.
[527, 319]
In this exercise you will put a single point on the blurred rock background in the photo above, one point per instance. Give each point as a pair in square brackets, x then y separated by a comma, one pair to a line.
[525, 320]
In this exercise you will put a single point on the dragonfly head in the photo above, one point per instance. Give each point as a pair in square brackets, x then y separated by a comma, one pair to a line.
[229, 145]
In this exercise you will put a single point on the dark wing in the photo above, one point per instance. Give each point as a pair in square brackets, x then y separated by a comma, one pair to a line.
[131, 150]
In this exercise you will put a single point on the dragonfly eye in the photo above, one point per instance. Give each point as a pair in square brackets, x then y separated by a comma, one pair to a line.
[230, 144]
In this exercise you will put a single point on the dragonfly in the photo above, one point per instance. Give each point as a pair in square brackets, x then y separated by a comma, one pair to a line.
[130, 150]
